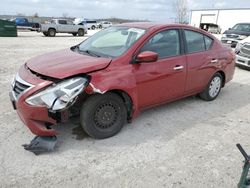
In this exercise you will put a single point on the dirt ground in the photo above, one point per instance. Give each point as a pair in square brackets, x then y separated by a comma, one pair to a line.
[188, 143]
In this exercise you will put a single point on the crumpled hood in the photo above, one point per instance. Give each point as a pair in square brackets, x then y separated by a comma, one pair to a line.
[65, 63]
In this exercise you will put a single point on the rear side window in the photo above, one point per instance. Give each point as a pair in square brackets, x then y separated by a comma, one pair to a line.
[197, 42]
[62, 21]
[165, 43]
[208, 42]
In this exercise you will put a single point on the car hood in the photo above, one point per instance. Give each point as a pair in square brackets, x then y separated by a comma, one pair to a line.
[66, 63]
[231, 31]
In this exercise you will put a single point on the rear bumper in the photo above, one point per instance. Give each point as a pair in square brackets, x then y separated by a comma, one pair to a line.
[243, 61]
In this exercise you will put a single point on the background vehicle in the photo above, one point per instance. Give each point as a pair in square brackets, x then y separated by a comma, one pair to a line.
[23, 23]
[92, 24]
[105, 24]
[242, 51]
[109, 78]
[62, 26]
[211, 28]
[233, 35]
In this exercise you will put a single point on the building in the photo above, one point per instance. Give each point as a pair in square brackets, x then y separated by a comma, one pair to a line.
[225, 18]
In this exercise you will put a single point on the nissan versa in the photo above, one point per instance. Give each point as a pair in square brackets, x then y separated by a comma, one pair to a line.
[113, 75]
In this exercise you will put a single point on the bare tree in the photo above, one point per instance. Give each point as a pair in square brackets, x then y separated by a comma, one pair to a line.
[36, 15]
[181, 10]
[65, 15]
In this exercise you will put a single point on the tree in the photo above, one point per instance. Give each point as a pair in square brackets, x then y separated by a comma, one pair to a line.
[36, 15]
[181, 10]
[65, 15]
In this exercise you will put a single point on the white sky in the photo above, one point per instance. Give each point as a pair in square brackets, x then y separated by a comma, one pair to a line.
[154, 10]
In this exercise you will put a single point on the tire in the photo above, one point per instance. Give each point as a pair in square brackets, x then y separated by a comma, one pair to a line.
[100, 26]
[74, 34]
[103, 116]
[93, 27]
[213, 88]
[45, 34]
[51, 32]
[81, 32]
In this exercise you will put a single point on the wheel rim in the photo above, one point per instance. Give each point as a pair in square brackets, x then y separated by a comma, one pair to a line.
[215, 86]
[105, 115]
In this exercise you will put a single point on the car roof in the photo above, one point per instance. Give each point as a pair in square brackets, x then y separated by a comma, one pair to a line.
[149, 25]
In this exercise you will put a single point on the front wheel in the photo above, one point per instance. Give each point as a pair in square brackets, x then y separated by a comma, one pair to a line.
[51, 32]
[103, 116]
[93, 27]
[81, 32]
[213, 88]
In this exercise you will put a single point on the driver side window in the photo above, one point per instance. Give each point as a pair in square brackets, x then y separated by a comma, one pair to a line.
[165, 43]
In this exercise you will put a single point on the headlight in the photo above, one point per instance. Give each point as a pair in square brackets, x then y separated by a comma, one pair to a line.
[238, 47]
[58, 96]
[241, 37]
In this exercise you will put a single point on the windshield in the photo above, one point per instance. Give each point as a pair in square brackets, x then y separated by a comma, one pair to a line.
[111, 42]
[242, 27]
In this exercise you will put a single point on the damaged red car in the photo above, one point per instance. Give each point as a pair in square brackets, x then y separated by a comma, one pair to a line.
[109, 78]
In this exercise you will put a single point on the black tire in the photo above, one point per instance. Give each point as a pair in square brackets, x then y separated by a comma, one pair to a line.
[51, 32]
[103, 116]
[45, 34]
[93, 27]
[216, 83]
[100, 26]
[74, 34]
[81, 32]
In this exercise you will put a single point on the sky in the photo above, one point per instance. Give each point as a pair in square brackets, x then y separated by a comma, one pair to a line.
[153, 10]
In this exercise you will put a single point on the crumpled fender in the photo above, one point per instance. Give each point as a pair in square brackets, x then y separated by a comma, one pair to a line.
[105, 80]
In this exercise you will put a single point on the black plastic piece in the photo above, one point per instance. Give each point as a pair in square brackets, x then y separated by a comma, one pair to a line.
[41, 144]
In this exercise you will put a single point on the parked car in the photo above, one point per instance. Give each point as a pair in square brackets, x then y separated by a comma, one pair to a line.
[92, 24]
[242, 51]
[118, 72]
[105, 24]
[62, 26]
[23, 23]
[233, 35]
[211, 28]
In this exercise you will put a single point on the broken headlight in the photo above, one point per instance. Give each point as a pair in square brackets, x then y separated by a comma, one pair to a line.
[59, 96]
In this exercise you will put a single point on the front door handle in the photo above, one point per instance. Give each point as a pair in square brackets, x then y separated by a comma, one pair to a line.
[178, 67]
[214, 61]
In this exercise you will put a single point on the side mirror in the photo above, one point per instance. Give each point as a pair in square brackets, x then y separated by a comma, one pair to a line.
[147, 57]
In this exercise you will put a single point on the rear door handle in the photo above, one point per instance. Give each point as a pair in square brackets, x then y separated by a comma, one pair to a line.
[178, 67]
[214, 61]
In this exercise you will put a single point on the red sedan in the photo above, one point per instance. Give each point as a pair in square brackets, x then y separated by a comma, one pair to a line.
[113, 75]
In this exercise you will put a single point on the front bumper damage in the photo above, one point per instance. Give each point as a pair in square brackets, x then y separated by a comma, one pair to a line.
[38, 119]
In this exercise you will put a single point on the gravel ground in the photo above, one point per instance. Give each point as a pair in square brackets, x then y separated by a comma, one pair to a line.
[188, 143]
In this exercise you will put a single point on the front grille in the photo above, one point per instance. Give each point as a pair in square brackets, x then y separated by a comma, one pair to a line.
[19, 88]
[245, 50]
[232, 36]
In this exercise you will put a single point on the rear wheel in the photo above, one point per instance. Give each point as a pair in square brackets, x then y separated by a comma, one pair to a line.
[74, 34]
[93, 27]
[51, 32]
[213, 88]
[81, 32]
[103, 116]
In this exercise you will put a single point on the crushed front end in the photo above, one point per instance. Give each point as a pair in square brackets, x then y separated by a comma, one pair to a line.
[42, 102]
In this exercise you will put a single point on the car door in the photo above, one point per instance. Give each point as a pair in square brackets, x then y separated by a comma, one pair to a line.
[163, 80]
[201, 60]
